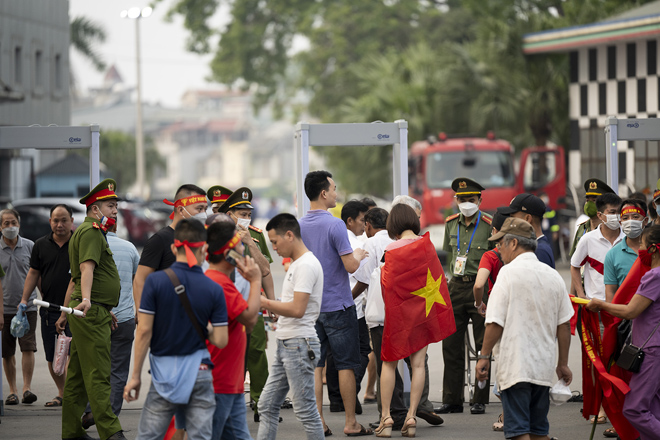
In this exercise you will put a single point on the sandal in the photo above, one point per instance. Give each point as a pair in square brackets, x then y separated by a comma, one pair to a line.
[610, 433]
[29, 397]
[499, 425]
[57, 401]
[12, 399]
[409, 429]
[385, 427]
[600, 421]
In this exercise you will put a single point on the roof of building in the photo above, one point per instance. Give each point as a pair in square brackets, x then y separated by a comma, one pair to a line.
[642, 22]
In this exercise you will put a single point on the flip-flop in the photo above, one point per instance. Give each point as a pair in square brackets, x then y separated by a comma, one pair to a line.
[368, 400]
[361, 432]
[327, 432]
[56, 401]
[29, 397]
[601, 420]
[610, 433]
[12, 399]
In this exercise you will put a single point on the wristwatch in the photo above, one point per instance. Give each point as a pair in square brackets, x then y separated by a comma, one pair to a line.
[484, 356]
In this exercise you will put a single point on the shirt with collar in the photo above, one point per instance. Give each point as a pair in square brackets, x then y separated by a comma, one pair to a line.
[127, 259]
[16, 264]
[544, 251]
[618, 262]
[361, 298]
[52, 262]
[590, 253]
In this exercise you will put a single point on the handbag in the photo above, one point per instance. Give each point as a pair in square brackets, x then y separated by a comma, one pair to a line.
[631, 356]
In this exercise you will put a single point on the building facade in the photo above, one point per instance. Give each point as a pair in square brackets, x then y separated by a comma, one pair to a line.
[34, 83]
[614, 68]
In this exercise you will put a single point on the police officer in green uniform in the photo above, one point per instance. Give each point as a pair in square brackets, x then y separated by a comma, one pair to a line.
[217, 195]
[466, 240]
[592, 188]
[238, 206]
[95, 293]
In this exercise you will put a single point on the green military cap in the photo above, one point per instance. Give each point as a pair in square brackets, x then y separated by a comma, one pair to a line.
[596, 187]
[103, 191]
[218, 194]
[463, 186]
[239, 199]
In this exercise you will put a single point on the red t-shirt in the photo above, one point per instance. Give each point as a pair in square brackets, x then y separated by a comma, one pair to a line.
[492, 261]
[228, 370]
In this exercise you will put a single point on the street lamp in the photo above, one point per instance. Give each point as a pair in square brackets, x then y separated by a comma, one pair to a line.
[136, 14]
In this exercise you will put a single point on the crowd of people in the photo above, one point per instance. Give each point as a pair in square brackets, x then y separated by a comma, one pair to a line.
[361, 293]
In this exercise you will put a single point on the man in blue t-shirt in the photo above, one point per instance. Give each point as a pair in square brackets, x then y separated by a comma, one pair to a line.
[180, 361]
[337, 325]
[530, 208]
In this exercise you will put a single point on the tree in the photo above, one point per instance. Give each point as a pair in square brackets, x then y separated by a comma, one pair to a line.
[85, 34]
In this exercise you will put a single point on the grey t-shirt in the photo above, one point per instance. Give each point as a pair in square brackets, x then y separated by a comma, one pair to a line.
[16, 264]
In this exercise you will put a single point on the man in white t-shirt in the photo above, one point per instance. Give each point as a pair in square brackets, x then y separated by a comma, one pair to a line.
[528, 309]
[593, 246]
[297, 342]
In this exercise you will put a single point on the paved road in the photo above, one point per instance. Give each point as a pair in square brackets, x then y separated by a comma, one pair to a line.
[36, 422]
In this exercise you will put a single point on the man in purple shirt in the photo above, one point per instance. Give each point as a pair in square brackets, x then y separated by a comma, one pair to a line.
[337, 325]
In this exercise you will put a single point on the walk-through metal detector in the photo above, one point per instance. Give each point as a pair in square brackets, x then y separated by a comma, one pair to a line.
[625, 130]
[51, 138]
[351, 135]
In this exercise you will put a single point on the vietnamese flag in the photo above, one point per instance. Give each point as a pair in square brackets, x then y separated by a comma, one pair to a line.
[418, 310]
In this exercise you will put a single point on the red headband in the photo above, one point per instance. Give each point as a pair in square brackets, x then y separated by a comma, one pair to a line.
[187, 245]
[191, 200]
[656, 194]
[631, 210]
[229, 245]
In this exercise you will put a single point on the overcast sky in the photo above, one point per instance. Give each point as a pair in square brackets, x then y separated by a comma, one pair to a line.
[168, 70]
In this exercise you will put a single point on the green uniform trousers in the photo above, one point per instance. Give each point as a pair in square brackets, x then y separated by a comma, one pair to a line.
[257, 361]
[453, 347]
[88, 376]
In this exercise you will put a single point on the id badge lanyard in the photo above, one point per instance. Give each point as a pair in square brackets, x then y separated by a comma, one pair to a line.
[458, 237]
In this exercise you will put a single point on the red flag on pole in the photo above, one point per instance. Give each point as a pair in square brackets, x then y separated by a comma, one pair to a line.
[418, 309]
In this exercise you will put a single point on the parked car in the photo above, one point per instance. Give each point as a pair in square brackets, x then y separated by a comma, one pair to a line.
[34, 222]
[140, 222]
[46, 203]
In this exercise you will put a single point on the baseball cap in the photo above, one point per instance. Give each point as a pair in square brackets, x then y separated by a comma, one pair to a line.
[517, 227]
[527, 203]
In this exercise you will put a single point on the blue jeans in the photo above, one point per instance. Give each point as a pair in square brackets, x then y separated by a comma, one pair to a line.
[157, 412]
[291, 369]
[525, 407]
[229, 419]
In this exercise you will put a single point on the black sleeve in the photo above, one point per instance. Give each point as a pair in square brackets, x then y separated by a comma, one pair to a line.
[152, 252]
[35, 260]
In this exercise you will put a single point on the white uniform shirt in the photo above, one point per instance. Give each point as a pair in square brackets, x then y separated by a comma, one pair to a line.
[376, 247]
[590, 253]
[304, 275]
[529, 300]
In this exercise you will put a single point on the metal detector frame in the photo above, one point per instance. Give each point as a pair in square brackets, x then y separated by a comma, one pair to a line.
[52, 138]
[351, 135]
[625, 130]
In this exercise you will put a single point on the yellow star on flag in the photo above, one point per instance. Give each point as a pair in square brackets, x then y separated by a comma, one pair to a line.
[431, 292]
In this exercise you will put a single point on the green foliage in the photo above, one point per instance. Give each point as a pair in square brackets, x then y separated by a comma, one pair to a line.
[84, 35]
[443, 65]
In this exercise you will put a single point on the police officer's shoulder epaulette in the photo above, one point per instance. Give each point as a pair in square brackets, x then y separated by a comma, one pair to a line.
[452, 217]
[255, 240]
[487, 218]
[254, 228]
[583, 223]
[96, 226]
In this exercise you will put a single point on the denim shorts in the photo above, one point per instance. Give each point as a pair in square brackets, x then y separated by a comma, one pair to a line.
[339, 332]
[525, 407]
[48, 331]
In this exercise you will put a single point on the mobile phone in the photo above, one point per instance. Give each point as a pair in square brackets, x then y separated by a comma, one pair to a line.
[232, 256]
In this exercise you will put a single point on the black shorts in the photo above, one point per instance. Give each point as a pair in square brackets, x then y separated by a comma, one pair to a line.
[49, 333]
[27, 342]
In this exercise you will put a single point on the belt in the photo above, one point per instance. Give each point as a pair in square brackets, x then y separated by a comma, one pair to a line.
[105, 306]
[465, 279]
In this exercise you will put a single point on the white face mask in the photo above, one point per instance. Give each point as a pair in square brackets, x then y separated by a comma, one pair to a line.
[244, 222]
[468, 209]
[612, 221]
[632, 228]
[10, 233]
[201, 216]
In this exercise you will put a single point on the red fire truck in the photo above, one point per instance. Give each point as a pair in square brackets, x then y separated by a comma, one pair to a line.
[433, 165]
